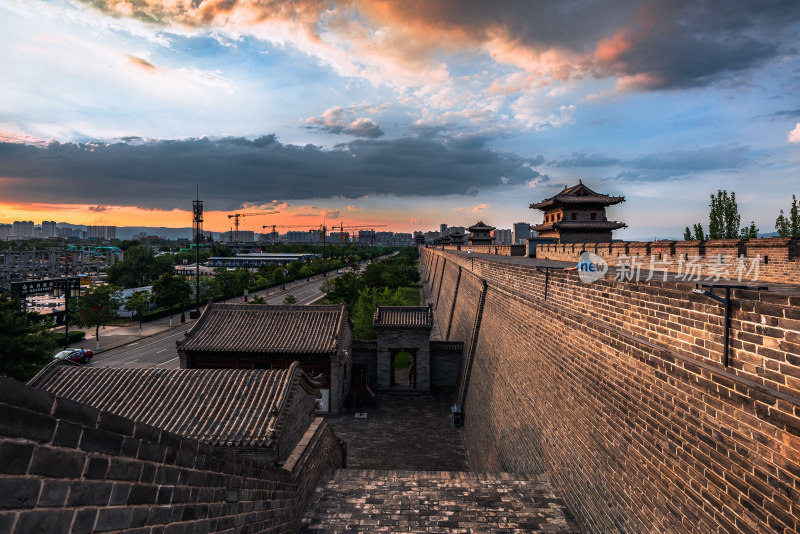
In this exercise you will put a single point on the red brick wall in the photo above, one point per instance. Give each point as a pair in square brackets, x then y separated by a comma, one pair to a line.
[778, 259]
[618, 391]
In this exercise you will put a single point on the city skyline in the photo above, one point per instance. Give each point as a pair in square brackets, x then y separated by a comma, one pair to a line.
[407, 114]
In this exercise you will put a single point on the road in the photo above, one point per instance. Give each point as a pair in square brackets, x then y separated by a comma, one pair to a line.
[159, 350]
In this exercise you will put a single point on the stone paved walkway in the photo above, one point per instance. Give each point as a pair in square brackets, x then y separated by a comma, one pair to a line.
[413, 432]
[408, 471]
[446, 502]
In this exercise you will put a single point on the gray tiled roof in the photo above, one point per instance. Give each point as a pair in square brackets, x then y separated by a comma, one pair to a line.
[266, 329]
[403, 317]
[219, 406]
[577, 194]
[579, 225]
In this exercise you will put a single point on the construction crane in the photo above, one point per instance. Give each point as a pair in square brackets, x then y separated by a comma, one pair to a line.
[235, 217]
[274, 226]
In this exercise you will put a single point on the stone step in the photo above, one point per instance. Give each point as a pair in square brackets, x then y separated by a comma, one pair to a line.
[369, 500]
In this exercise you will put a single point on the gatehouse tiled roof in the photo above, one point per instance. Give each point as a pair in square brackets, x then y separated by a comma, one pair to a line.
[241, 408]
[480, 225]
[267, 329]
[403, 317]
[579, 225]
[577, 194]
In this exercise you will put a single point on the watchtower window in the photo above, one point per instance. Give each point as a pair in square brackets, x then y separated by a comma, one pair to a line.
[574, 216]
[594, 216]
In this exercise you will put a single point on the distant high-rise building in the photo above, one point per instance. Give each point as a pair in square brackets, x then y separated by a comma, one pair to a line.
[502, 237]
[522, 231]
[5, 231]
[49, 229]
[101, 232]
[442, 229]
[22, 229]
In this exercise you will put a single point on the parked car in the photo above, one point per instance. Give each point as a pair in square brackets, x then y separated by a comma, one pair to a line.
[75, 355]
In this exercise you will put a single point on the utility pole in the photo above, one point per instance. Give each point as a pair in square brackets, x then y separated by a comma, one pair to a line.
[197, 209]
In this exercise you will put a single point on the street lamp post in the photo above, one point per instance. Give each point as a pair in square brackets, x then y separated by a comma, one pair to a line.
[67, 292]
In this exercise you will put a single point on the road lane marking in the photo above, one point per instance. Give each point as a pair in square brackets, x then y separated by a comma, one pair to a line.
[160, 351]
[166, 362]
[146, 345]
[136, 360]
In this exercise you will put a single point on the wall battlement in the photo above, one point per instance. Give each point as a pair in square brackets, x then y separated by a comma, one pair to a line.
[768, 259]
[618, 391]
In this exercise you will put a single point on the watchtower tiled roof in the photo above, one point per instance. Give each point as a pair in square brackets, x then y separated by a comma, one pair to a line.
[242, 408]
[266, 329]
[579, 225]
[403, 317]
[481, 226]
[577, 194]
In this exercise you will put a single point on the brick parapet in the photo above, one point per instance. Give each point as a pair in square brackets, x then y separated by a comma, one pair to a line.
[778, 259]
[317, 451]
[67, 467]
[610, 383]
[497, 250]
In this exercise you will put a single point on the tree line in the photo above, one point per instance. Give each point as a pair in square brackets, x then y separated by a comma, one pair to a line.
[724, 221]
[380, 283]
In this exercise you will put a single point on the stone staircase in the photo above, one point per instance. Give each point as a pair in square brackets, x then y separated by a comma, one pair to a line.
[369, 500]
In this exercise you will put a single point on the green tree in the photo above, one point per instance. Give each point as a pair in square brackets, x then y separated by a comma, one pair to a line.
[789, 226]
[97, 307]
[26, 345]
[750, 232]
[290, 299]
[170, 291]
[687, 234]
[139, 267]
[258, 299]
[209, 288]
[723, 217]
[364, 311]
[138, 303]
[699, 235]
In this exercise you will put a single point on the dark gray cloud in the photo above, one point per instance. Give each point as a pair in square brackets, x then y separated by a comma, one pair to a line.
[231, 171]
[783, 114]
[680, 164]
[662, 44]
[585, 160]
[668, 165]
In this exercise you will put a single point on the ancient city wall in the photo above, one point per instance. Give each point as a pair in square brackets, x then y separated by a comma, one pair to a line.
[68, 467]
[498, 250]
[777, 259]
[619, 392]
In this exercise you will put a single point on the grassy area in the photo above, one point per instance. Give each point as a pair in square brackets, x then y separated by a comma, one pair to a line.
[402, 360]
[411, 295]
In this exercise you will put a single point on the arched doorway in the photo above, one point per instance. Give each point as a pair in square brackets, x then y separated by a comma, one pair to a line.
[404, 370]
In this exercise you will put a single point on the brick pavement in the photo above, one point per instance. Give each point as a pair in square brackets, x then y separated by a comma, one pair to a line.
[408, 471]
[411, 432]
[407, 501]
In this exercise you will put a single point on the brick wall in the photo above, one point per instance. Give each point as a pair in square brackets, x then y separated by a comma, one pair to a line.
[618, 391]
[67, 467]
[317, 451]
[778, 259]
[445, 365]
[499, 250]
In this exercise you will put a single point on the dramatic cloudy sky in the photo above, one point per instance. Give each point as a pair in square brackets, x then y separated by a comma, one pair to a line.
[406, 113]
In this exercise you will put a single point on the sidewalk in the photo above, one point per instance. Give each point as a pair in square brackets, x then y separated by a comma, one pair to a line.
[118, 335]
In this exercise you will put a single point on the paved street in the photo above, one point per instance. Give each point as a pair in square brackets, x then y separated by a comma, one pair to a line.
[125, 346]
